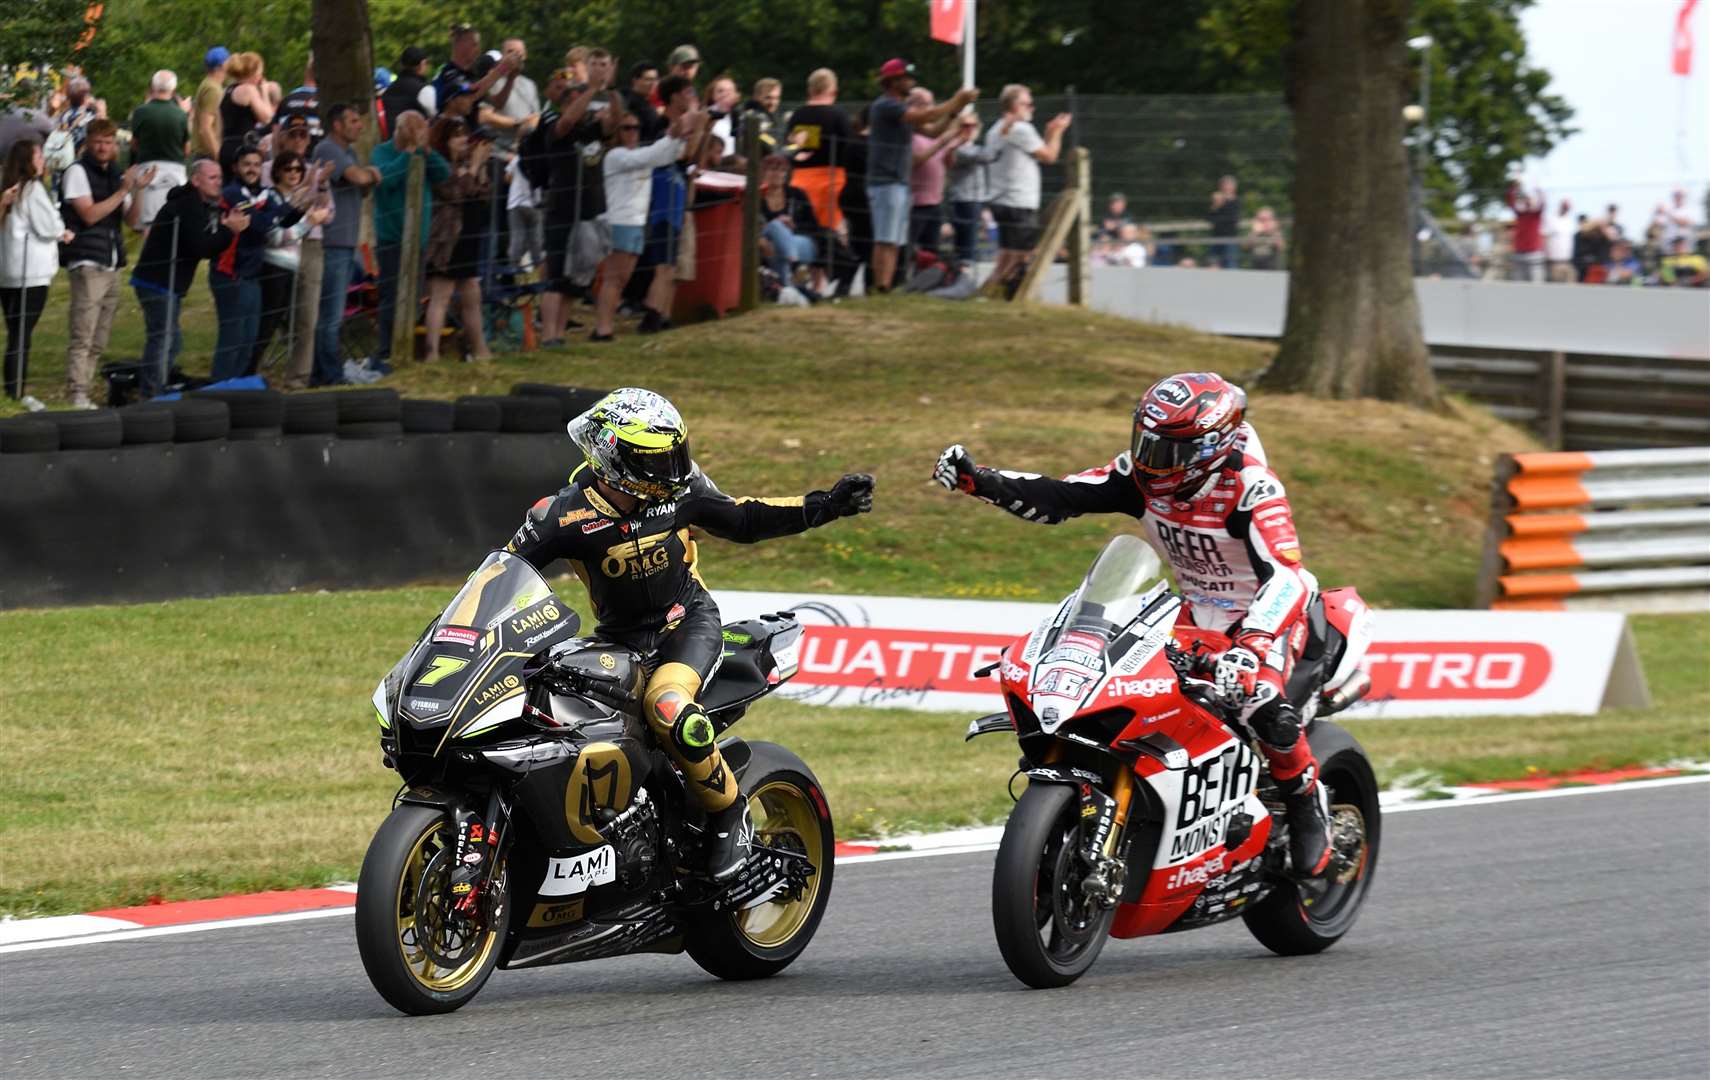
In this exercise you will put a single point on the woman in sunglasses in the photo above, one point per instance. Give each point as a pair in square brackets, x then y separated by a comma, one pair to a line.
[289, 176]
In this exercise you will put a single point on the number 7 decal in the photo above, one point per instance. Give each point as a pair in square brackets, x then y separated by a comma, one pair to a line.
[440, 668]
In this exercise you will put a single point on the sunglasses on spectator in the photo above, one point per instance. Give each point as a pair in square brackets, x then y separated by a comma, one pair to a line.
[291, 169]
[629, 127]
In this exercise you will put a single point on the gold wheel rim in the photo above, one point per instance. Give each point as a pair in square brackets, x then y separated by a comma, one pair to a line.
[420, 964]
[784, 817]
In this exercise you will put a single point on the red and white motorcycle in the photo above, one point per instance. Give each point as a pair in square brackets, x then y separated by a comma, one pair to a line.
[1147, 808]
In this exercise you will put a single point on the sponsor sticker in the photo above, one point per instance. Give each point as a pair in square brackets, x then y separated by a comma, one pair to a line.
[574, 516]
[596, 526]
[424, 706]
[457, 635]
[579, 873]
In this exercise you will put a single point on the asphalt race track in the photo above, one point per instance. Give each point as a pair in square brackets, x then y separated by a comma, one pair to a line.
[1556, 937]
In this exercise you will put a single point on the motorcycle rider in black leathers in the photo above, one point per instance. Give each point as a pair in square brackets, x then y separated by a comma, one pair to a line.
[623, 524]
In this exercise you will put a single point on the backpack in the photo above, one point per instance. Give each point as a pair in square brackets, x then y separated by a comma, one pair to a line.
[534, 153]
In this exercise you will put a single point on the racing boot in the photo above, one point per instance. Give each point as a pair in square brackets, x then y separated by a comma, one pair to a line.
[728, 840]
[1308, 812]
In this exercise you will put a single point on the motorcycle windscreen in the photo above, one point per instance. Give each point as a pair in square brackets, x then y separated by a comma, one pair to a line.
[468, 677]
[1122, 581]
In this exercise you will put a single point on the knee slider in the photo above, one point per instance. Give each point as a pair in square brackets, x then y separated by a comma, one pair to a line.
[694, 734]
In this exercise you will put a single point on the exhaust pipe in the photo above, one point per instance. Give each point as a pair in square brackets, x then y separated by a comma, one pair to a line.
[1356, 687]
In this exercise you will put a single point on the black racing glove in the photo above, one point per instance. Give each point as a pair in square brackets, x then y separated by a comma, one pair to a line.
[851, 495]
[956, 470]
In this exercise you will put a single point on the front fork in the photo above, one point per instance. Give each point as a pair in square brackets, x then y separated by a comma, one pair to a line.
[1104, 820]
[480, 843]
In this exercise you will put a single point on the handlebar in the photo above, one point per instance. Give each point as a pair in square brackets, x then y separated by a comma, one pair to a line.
[606, 687]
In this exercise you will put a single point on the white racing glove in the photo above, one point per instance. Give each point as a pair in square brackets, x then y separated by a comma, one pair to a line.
[955, 470]
[1237, 674]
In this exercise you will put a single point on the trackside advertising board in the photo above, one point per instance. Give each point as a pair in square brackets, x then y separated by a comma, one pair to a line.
[905, 652]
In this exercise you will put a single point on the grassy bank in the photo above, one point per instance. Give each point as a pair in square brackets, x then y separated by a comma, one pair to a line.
[200, 747]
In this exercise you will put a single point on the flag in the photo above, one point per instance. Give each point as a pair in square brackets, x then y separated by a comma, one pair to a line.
[949, 16]
[1682, 37]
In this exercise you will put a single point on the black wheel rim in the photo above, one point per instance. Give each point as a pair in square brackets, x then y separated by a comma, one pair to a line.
[1330, 902]
[1067, 921]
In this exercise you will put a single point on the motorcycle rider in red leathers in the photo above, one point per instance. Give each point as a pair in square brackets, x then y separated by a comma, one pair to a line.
[1196, 477]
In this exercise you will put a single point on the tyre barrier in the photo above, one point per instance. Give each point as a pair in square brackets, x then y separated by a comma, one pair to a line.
[1614, 530]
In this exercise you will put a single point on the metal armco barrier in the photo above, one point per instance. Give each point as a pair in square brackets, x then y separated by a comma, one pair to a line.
[302, 511]
[1624, 530]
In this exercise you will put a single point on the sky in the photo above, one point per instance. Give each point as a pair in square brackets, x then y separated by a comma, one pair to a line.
[1643, 130]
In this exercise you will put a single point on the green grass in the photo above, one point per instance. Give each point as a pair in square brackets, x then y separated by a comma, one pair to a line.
[201, 747]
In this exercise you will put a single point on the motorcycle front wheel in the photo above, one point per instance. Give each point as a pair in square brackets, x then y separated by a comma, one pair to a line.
[421, 954]
[1048, 931]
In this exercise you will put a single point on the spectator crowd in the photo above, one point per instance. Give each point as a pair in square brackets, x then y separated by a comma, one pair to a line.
[573, 204]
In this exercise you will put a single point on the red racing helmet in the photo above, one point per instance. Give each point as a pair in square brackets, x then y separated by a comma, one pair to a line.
[1184, 429]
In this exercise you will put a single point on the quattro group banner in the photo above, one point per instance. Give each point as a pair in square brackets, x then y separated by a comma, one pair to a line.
[907, 652]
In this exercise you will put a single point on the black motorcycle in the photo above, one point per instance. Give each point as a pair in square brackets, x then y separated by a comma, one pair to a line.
[540, 824]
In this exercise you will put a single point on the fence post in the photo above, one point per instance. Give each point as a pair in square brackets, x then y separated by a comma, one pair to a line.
[409, 264]
[1552, 398]
[749, 298]
[1496, 531]
[1080, 234]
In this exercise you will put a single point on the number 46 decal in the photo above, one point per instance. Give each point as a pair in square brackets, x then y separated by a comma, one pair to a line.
[441, 667]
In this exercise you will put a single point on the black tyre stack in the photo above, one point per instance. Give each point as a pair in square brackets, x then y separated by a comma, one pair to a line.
[369, 414]
[255, 414]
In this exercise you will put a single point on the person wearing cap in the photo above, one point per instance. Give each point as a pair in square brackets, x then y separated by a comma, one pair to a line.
[685, 60]
[205, 130]
[890, 159]
[410, 90]
[304, 102]
[513, 106]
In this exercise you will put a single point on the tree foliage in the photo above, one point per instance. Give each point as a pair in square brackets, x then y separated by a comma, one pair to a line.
[44, 38]
[1491, 107]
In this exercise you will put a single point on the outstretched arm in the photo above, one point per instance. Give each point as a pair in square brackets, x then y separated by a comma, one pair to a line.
[749, 520]
[1108, 489]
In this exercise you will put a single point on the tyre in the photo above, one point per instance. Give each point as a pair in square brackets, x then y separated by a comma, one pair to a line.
[420, 954]
[527, 414]
[572, 401]
[81, 429]
[27, 435]
[255, 434]
[311, 414]
[1300, 918]
[371, 429]
[249, 408]
[361, 405]
[477, 414]
[1048, 932]
[144, 424]
[789, 810]
[195, 420]
[425, 417]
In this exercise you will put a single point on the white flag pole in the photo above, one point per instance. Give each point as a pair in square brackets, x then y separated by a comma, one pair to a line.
[968, 44]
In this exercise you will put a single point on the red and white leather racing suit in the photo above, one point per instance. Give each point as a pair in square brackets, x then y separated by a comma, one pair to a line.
[1234, 553]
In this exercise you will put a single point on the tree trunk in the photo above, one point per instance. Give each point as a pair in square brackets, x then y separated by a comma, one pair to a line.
[1353, 318]
[344, 57]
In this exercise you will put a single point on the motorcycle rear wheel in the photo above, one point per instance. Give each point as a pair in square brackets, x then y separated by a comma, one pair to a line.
[789, 811]
[405, 930]
[1049, 934]
[1301, 918]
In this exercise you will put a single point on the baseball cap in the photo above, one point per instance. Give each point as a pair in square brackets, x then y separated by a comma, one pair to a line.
[683, 54]
[410, 57]
[295, 120]
[216, 56]
[486, 62]
[893, 68]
